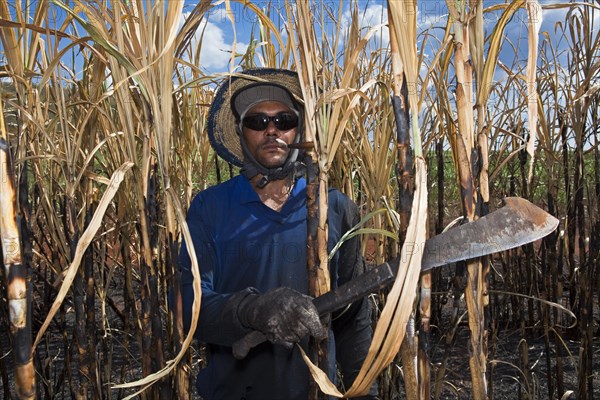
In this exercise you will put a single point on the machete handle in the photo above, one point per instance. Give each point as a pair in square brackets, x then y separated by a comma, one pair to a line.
[242, 347]
[364, 284]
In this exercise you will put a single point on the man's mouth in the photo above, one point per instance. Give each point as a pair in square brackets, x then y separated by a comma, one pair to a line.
[275, 145]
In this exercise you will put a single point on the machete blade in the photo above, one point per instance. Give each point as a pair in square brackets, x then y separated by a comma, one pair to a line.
[517, 223]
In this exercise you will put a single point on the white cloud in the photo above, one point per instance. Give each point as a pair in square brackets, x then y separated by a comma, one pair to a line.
[215, 47]
[372, 16]
[429, 14]
[215, 52]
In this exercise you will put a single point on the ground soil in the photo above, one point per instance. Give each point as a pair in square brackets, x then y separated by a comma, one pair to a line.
[505, 371]
[507, 377]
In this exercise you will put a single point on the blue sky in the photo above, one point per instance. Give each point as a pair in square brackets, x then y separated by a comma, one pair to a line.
[219, 32]
[219, 37]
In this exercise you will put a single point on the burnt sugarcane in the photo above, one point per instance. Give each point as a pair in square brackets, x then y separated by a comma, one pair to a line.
[312, 258]
[16, 274]
[317, 350]
[404, 176]
[466, 165]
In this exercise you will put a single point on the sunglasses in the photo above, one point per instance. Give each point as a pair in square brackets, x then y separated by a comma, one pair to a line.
[283, 121]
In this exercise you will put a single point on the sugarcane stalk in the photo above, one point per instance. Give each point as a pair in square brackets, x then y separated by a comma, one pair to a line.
[585, 370]
[79, 308]
[424, 371]
[404, 166]
[594, 256]
[466, 165]
[524, 366]
[312, 259]
[545, 261]
[84, 304]
[482, 171]
[557, 295]
[16, 273]
[151, 335]
[316, 206]
[316, 156]
[182, 381]
[401, 19]
[551, 279]
[450, 337]
[312, 221]
[147, 268]
[131, 311]
[315, 131]
[23, 197]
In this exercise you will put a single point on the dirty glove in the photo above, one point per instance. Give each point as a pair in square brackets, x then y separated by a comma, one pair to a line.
[284, 316]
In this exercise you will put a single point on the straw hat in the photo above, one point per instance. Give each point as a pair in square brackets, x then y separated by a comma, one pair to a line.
[246, 91]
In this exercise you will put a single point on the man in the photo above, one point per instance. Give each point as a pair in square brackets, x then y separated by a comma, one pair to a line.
[249, 235]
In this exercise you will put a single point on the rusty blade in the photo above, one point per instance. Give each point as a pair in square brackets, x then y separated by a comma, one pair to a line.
[517, 223]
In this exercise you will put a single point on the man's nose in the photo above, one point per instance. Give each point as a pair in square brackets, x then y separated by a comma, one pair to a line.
[272, 129]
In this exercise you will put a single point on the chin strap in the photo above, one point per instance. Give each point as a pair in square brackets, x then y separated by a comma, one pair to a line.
[293, 169]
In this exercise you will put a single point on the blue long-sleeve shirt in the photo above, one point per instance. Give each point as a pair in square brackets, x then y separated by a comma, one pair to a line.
[240, 244]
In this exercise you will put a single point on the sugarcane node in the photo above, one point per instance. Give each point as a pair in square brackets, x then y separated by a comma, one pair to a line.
[25, 380]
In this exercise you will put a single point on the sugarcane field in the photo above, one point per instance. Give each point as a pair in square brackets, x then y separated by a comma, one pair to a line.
[463, 135]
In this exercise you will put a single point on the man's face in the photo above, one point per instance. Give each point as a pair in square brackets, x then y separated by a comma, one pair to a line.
[267, 145]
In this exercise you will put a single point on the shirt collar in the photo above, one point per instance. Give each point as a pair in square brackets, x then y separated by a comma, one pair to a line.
[245, 191]
[248, 195]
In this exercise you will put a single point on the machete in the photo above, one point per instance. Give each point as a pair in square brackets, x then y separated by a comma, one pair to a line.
[517, 223]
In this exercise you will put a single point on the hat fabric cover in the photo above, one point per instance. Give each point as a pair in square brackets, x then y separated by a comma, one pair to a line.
[246, 98]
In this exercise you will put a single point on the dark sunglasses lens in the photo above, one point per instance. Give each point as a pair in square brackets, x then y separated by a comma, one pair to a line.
[285, 122]
[260, 122]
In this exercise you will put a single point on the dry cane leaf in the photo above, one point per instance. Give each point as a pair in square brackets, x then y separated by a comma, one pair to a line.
[534, 13]
[391, 326]
[321, 377]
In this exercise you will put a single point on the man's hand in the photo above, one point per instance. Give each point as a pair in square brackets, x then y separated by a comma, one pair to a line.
[284, 316]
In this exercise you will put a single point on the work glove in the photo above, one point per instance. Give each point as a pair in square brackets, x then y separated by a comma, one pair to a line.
[283, 315]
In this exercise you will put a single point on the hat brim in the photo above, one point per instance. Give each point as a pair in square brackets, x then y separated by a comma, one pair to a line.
[222, 132]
